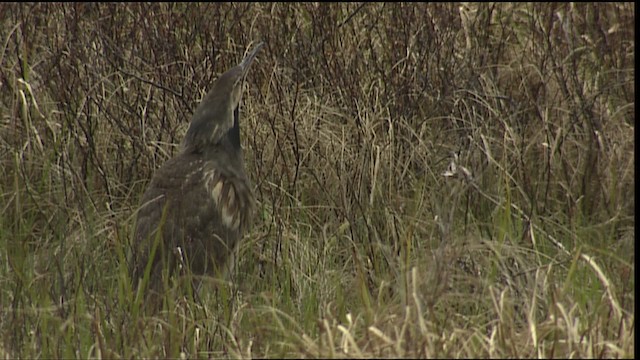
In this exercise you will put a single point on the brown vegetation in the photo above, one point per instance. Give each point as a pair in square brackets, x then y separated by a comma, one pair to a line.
[433, 180]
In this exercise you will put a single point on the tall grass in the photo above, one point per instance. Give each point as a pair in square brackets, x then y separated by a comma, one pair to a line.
[433, 180]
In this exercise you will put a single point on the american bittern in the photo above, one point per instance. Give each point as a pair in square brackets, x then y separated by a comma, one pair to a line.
[199, 203]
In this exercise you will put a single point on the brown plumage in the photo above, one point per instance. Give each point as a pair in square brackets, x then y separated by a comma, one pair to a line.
[199, 204]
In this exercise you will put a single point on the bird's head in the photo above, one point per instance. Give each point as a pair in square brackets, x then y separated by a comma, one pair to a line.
[217, 116]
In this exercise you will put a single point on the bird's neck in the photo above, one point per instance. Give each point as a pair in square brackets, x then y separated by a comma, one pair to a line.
[234, 133]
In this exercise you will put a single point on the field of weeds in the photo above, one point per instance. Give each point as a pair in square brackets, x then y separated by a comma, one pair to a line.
[432, 180]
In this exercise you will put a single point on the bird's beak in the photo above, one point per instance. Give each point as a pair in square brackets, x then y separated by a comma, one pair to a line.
[246, 63]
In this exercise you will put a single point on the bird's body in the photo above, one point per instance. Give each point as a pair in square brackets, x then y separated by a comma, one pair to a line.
[198, 204]
[200, 219]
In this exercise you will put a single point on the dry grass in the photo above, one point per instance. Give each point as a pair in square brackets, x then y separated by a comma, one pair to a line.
[433, 180]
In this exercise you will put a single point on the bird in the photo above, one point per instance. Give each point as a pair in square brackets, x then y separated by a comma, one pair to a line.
[198, 204]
